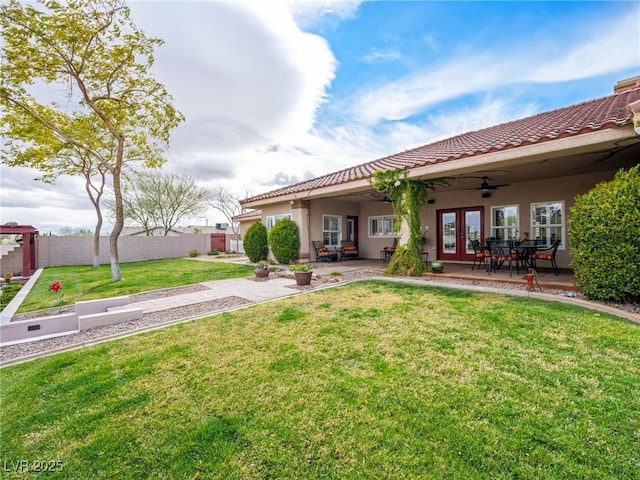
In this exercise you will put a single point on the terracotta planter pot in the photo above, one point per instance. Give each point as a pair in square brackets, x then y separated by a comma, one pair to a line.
[303, 278]
[262, 272]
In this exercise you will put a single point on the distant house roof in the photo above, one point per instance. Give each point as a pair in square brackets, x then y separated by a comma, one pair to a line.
[590, 116]
[250, 215]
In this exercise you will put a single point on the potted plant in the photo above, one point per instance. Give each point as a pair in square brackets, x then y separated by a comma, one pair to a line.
[262, 269]
[302, 272]
[437, 267]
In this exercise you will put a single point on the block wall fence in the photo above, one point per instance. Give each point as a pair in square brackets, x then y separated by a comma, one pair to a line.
[59, 251]
[54, 251]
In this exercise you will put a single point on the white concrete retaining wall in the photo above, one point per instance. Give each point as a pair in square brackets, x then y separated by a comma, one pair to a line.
[88, 314]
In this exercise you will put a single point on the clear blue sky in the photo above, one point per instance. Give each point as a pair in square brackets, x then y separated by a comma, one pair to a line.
[278, 92]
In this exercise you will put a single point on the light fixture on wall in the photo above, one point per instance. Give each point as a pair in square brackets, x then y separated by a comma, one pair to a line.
[291, 202]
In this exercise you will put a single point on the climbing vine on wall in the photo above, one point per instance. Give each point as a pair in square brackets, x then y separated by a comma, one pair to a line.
[407, 196]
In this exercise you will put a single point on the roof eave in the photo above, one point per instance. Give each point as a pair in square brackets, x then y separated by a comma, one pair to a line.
[543, 150]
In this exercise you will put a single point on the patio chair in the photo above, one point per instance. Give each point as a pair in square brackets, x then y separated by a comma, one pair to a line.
[387, 252]
[480, 254]
[549, 256]
[323, 254]
[349, 250]
[499, 253]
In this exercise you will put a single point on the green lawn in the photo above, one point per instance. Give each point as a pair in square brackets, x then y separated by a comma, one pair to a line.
[85, 283]
[367, 380]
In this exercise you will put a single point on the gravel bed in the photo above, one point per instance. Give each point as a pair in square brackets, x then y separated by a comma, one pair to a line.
[136, 297]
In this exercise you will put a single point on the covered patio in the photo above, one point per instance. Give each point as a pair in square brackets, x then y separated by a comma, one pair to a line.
[547, 279]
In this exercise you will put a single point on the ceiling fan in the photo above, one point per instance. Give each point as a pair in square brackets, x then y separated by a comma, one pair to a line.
[384, 199]
[485, 187]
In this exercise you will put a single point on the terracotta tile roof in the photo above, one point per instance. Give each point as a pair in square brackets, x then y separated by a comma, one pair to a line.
[250, 215]
[599, 114]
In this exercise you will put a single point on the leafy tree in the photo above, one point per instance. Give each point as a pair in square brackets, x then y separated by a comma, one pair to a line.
[284, 240]
[74, 232]
[91, 50]
[604, 232]
[157, 200]
[256, 243]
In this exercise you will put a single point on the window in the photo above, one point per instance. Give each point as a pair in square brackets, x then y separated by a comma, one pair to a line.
[382, 226]
[331, 230]
[547, 222]
[273, 219]
[504, 222]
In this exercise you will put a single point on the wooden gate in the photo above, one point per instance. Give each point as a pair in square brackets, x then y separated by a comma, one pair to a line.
[218, 242]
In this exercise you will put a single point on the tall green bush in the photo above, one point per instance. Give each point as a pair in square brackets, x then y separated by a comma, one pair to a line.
[284, 240]
[604, 232]
[255, 243]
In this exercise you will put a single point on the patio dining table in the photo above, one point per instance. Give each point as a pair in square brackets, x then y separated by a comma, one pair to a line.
[525, 251]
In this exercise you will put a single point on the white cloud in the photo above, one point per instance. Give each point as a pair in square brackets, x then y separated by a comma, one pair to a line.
[606, 47]
[386, 55]
[47, 207]
[317, 14]
[601, 49]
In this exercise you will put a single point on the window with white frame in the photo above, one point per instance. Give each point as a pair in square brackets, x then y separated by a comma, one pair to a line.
[547, 222]
[382, 226]
[331, 230]
[504, 222]
[273, 219]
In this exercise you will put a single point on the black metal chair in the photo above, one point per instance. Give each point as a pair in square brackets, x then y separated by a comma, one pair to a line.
[499, 253]
[480, 254]
[551, 257]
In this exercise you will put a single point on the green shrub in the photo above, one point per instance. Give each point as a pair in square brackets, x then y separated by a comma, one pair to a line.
[194, 252]
[406, 261]
[255, 242]
[604, 232]
[215, 251]
[284, 241]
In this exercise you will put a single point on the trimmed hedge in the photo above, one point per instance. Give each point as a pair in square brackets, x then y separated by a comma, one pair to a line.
[284, 240]
[604, 232]
[255, 242]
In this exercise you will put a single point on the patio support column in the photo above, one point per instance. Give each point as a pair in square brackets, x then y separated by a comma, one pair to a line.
[300, 215]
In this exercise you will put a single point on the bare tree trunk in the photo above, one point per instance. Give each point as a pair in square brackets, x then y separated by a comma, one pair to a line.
[95, 200]
[96, 241]
[116, 276]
